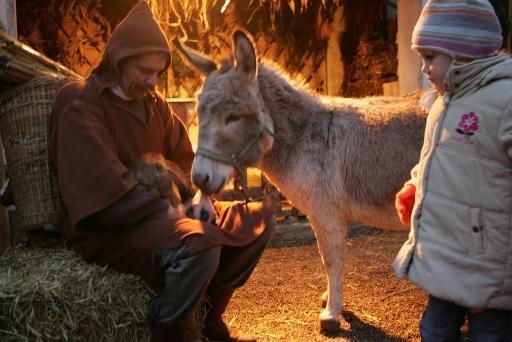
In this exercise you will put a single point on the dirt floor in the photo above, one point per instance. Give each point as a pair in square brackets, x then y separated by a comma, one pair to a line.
[281, 301]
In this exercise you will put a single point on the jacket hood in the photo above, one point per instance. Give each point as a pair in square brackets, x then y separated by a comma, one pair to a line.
[138, 33]
[462, 78]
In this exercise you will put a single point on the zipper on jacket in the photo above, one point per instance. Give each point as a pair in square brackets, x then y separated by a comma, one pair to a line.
[437, 135]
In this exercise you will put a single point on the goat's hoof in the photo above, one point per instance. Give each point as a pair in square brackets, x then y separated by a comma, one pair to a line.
[330, 327]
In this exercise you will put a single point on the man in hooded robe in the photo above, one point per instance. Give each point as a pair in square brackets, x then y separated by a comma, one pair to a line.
[101, 126]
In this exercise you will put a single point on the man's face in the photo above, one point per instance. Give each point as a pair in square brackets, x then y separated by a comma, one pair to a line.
[435, 65]
[139, 74]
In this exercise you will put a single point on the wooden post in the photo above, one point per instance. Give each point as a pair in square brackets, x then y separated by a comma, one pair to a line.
[410, 77]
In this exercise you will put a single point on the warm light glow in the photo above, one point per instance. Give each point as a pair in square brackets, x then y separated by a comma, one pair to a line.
[225, 6]
[253, 179]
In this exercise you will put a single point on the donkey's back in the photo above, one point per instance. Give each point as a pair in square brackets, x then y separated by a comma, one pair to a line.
[351, 156]
[382, 143]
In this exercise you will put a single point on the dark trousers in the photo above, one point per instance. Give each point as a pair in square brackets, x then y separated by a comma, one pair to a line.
[186, 276]
[442, 320]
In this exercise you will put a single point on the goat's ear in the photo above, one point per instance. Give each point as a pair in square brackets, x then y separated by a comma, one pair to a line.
[245, 54]
[195, 59]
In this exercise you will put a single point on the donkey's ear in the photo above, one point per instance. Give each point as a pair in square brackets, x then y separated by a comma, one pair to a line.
[194, 59]
[245, 54]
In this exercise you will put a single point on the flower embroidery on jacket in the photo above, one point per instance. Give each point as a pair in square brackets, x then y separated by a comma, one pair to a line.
[468, 124]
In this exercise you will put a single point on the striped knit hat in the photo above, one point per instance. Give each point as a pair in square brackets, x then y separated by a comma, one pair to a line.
[458, 28]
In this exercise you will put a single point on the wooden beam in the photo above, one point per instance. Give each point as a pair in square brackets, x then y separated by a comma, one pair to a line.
[20, 63]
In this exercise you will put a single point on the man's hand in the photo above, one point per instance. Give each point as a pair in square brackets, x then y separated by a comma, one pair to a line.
[177, 212]
[202, 208]
[404, 202]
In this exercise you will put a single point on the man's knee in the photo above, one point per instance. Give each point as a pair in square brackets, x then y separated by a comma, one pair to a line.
[185, 279]
[208, 259]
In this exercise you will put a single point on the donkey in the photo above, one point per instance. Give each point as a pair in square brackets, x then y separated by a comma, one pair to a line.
[335, 159]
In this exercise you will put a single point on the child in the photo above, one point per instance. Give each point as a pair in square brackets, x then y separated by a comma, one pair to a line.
[459, 198]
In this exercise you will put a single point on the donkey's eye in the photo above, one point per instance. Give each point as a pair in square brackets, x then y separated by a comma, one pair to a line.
[232, 118]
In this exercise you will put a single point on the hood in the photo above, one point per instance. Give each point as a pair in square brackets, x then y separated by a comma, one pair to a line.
[136, 34]
[462, 78]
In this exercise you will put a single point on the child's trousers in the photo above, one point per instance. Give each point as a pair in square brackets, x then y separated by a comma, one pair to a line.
[442, 320]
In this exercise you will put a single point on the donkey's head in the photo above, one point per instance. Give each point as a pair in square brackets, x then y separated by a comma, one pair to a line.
[235, 129]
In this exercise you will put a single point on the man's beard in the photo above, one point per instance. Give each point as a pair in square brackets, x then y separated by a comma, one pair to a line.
[137, 91]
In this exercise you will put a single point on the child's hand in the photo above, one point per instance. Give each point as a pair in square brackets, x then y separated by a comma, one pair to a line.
[404, 202]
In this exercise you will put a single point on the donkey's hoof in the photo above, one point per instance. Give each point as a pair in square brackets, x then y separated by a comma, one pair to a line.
[330, 327]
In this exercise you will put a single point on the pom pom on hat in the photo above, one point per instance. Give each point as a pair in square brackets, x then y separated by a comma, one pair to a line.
[468, 29]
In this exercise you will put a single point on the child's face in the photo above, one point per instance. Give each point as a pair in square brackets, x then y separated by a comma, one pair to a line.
[435, 65]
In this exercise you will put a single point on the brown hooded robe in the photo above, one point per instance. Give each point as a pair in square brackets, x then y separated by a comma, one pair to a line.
[94, 138]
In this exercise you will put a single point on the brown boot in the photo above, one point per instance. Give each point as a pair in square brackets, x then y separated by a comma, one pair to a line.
[214, 327]
[169, 332]
[172, 332]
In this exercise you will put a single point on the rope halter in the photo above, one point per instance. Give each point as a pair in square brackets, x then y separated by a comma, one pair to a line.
[236, 160]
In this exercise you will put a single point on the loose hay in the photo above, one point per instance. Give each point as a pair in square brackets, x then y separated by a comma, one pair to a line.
[51, 294]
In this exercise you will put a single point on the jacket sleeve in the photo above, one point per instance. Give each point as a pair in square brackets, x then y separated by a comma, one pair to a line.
[133, 207]
[505, 131]
[414, 174]
[85, 157]
[427, 141]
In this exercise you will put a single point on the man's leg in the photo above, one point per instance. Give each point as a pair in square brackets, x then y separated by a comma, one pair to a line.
[490, 326]
[185, 278]
[235, 267]
[237, 263]
[441, 321]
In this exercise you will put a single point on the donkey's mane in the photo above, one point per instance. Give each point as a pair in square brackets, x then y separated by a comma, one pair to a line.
[288, 92]
[297, 81]
[271, 73]
[294, 94]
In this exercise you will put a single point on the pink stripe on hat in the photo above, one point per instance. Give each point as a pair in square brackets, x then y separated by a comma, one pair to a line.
[478, 31]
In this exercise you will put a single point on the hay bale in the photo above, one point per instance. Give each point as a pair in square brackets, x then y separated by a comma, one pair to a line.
[51, 294]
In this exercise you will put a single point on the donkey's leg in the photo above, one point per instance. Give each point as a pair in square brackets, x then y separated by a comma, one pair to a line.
[330, 236]
[325, 296]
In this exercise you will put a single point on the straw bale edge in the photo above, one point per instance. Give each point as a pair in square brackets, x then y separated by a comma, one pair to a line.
[51, 294]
